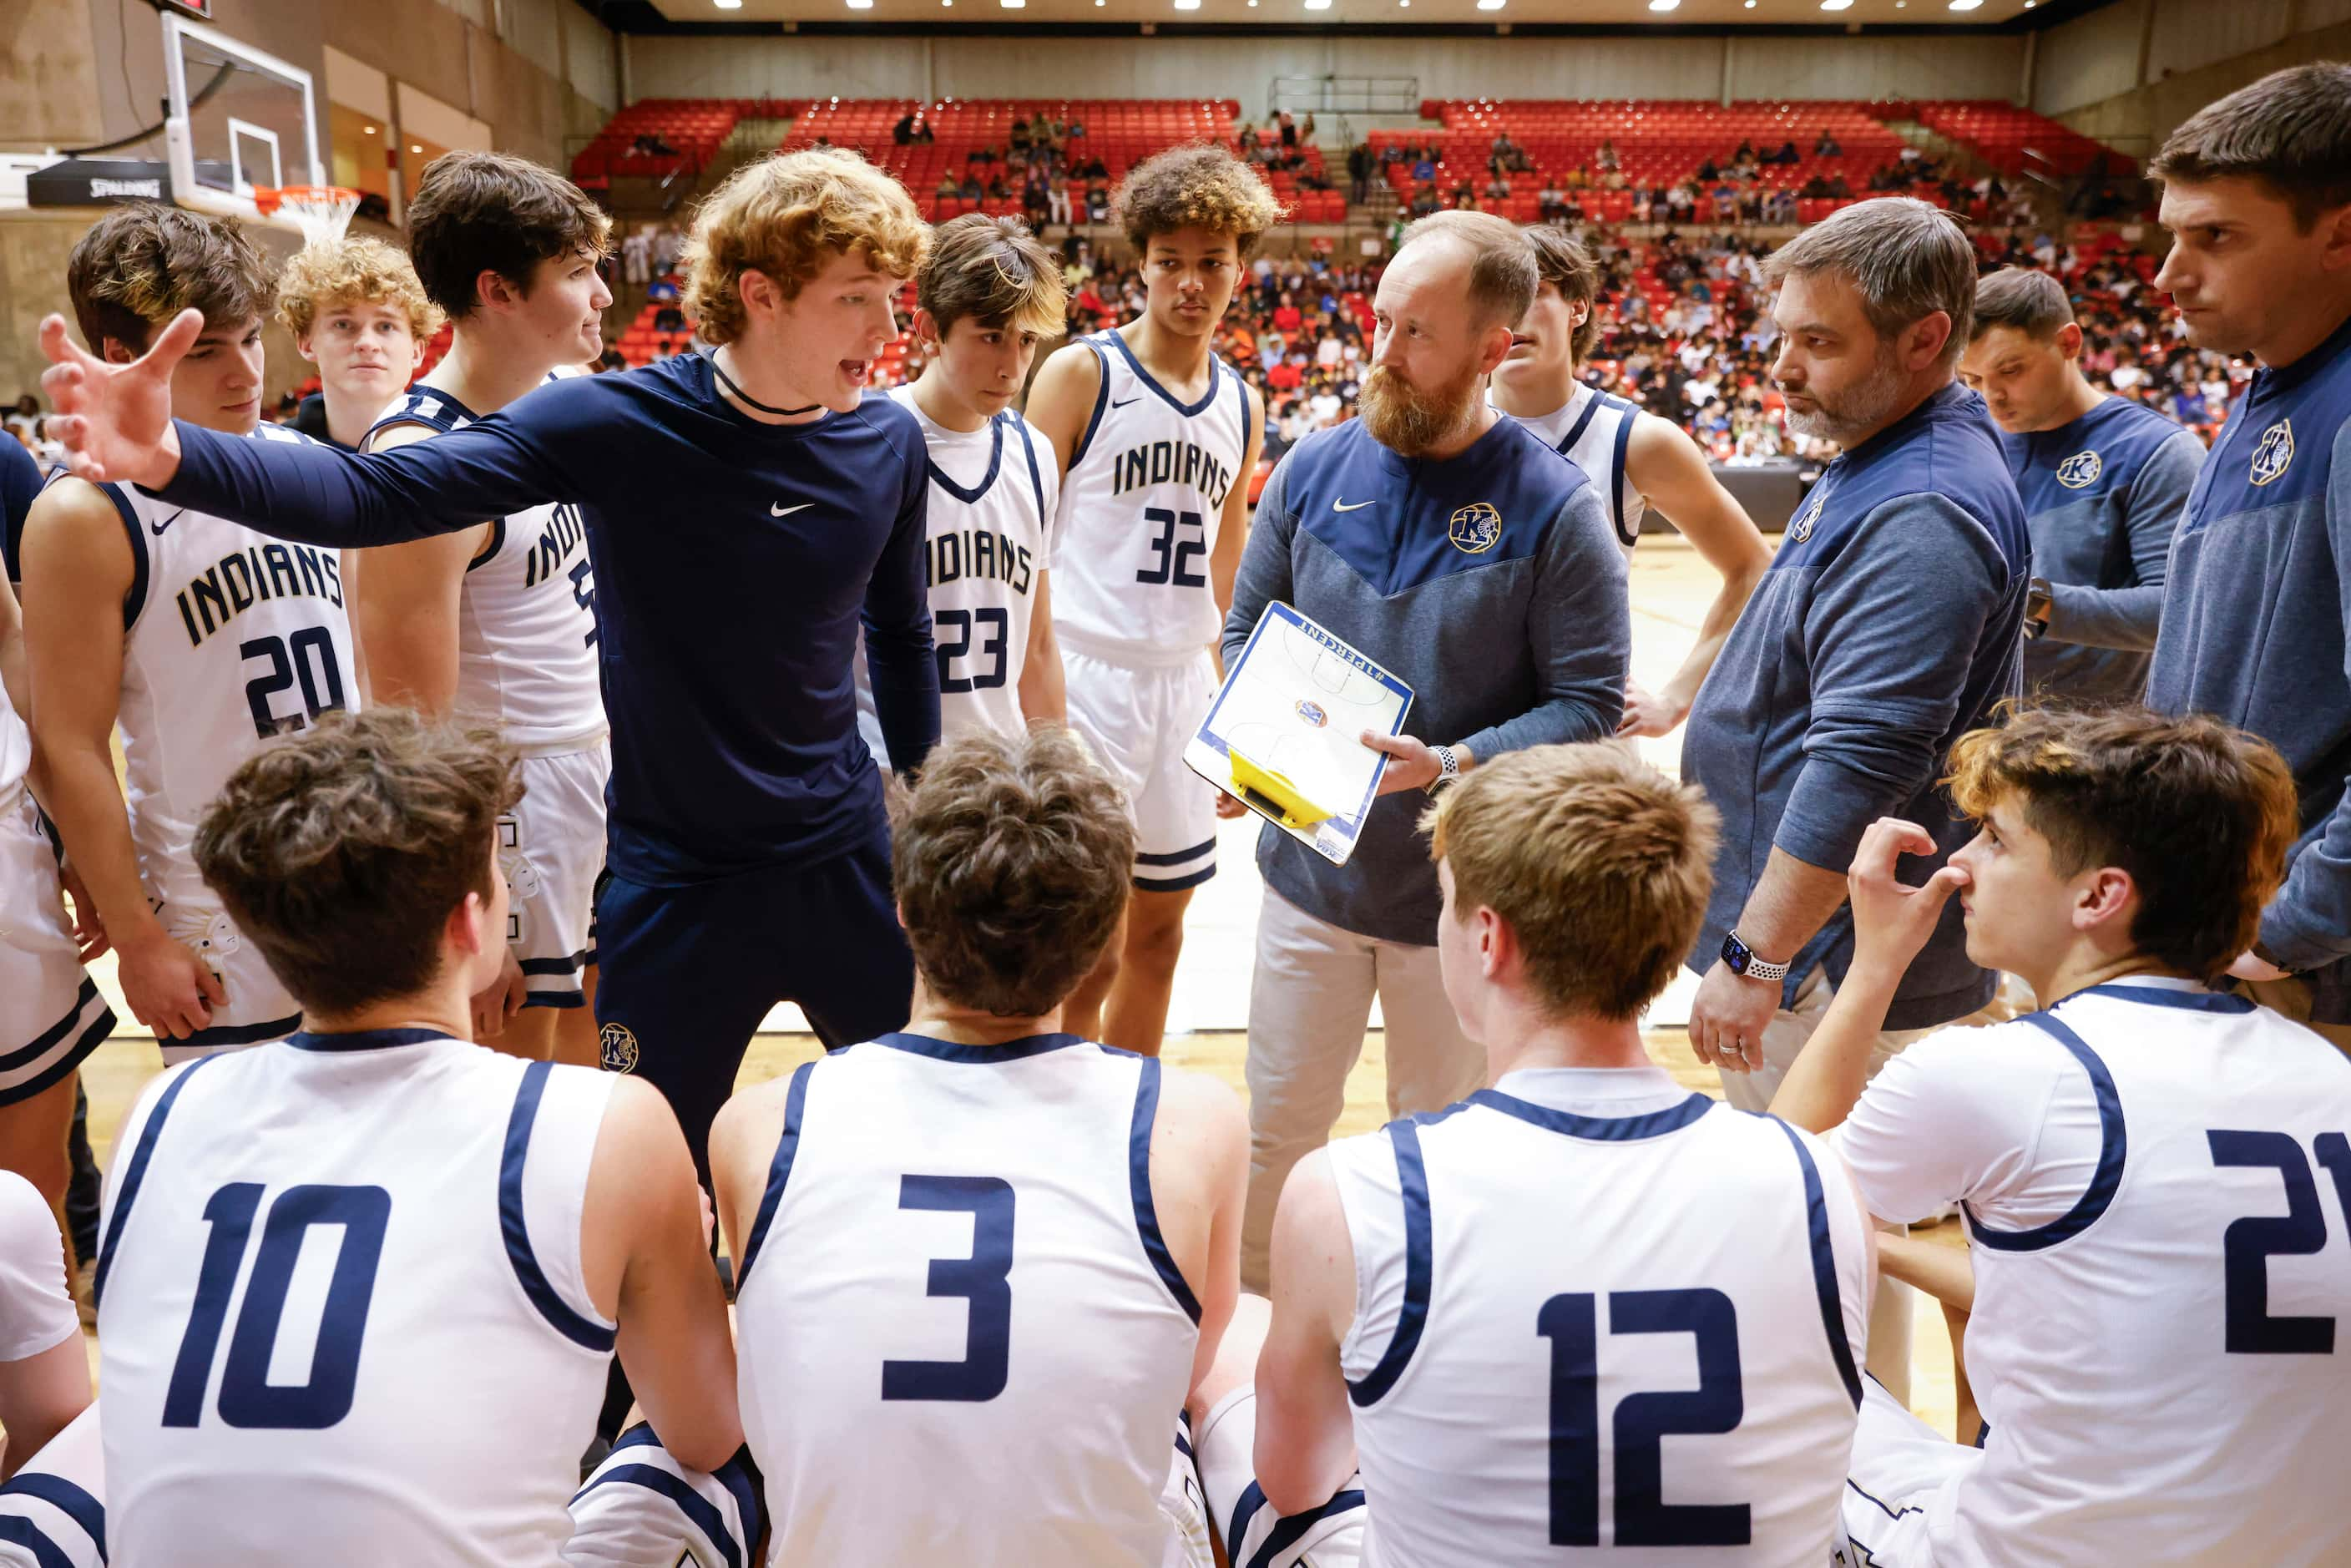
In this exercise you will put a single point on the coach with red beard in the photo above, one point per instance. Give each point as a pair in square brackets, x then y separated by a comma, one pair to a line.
[1455, 547]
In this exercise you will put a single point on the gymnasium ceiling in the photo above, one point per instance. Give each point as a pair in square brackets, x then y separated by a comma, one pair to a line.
[1388, 16]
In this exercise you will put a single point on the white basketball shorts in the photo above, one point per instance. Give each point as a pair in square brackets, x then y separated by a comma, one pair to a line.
[51, 1015]
[259, 1008]
[1137, 719]
[1255, 1535]
[551, 847]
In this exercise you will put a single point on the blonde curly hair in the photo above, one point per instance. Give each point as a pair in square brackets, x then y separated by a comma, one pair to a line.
[787, 216]
[1201, 186]
[353, 270]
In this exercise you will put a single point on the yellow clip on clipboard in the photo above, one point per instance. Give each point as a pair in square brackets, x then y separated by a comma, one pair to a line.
[1274, 793]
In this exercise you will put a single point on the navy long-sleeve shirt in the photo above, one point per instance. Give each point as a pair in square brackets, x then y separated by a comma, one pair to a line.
[2253, 632]
[733, 562]
[2102, 496]
[1490, 582]
[1888, 625]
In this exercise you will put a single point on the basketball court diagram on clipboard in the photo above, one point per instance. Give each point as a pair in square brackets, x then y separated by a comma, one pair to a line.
[1284, 734]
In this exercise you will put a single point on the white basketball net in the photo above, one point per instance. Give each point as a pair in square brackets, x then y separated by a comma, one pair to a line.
[322, 212]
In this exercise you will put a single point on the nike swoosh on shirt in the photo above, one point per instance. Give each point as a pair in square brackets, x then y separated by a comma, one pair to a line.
[1338, 506]
[159, 528]
[776, 511]
[1122, 401]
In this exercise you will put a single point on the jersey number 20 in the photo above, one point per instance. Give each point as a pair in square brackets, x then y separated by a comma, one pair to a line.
[308, 656]
[247, 1398]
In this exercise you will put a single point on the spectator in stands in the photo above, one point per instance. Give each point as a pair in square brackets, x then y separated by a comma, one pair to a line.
[1787, 154]
[947, 189]
[1289, 129]
[1464, 192]
[1359, 173]
[1826, 146]
[1605, 156]
[1057, 201]
[1036, 199]
[1497, 189]
[1552, 204]
[1395, 152]
[970, 190]
[998, 190]
[1745, 152]
[637, 257]
[1097, 206]
[902, 134]
[1707, 171]
[1018, 138]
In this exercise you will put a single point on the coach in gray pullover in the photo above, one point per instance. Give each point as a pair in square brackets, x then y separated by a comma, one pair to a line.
[1457, 549]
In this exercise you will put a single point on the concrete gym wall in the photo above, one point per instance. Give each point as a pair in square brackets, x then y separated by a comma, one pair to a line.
[1942, 66]
[2130, 73]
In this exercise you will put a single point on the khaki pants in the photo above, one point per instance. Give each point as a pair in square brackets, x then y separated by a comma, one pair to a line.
[1783, 1038]
[1310, 1002]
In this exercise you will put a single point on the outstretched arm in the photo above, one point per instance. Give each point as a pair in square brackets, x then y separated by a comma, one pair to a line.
[116, 422]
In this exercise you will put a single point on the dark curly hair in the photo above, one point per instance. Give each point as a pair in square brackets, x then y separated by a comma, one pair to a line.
[1201, 186]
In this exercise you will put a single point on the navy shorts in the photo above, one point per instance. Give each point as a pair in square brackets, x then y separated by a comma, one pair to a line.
[685, 973]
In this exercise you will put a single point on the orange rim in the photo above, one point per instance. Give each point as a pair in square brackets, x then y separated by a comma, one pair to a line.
[269, 198]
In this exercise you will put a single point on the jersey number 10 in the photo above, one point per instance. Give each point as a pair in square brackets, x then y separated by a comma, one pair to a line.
[247, 1398]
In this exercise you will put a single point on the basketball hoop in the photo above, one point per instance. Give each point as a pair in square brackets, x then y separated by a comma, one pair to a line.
[322, 212]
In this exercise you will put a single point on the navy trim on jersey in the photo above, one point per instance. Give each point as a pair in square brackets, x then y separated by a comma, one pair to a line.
[640, 1436]
[948, 1051]
[556, 999]
[490, 548]
[1102, 402]
[570, 1324]
[1190, 411]
[1575, 431]
[136, 1172]
[1825, 1276]
[86, 1513]
[18, 1530]
[1616, 475]
[2112, 1147]
[1177, 857]
[234, 1034]
[570, 966]
[1036, 476]
[1146, 1216]
[995, 460]
[364, 1039]
[2163, 997]
[1175, 884]
[135, 601]
[1597, 1129]
[1878, 1504]
[1287, 1533]
[50, 1036]
[779, 1171]
[1412, 1178]
[740, 1476]
[698, 1509]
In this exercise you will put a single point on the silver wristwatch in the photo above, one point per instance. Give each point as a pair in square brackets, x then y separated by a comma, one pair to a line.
[1448, 766]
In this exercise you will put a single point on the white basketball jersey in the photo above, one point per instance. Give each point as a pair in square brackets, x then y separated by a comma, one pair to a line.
[341, 1310]
[2165, 1369]
[52, 1512]
[230, 637]
[1593, 431]
[1637, 1328]
[526, 653]
[1140, 507]
[961, 1337]
[986, 542]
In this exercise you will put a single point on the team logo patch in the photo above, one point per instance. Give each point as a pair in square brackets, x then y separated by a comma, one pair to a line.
[1311, 712]
[618, 1046]
[2274, 455]
[2080, 470]
[1804, 528]
[1476, 529]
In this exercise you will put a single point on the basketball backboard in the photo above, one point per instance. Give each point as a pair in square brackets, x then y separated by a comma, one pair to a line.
[238, 118]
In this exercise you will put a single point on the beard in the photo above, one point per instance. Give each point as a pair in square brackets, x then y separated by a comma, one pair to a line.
[1857, 411]
[1408, 420]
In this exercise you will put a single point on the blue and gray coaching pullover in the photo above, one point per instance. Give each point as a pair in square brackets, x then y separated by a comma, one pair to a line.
[2102, 496]
[2254, 620]
[1490, 582]
[1887, 626]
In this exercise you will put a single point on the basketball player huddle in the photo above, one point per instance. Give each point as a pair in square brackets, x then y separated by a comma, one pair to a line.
[365, 1290]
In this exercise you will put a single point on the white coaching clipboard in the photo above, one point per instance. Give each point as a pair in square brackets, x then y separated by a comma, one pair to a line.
[1284, 734]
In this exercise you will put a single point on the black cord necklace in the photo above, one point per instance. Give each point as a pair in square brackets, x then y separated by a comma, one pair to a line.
[749, 402]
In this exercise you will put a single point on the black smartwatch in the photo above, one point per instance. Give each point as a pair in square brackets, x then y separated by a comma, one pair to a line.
[1741, 961]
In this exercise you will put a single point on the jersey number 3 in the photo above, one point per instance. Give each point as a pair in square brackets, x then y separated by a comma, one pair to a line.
[247, 1398]
[984, 1278]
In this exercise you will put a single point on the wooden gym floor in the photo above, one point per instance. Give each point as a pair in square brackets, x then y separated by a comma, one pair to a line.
[1670, 590]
